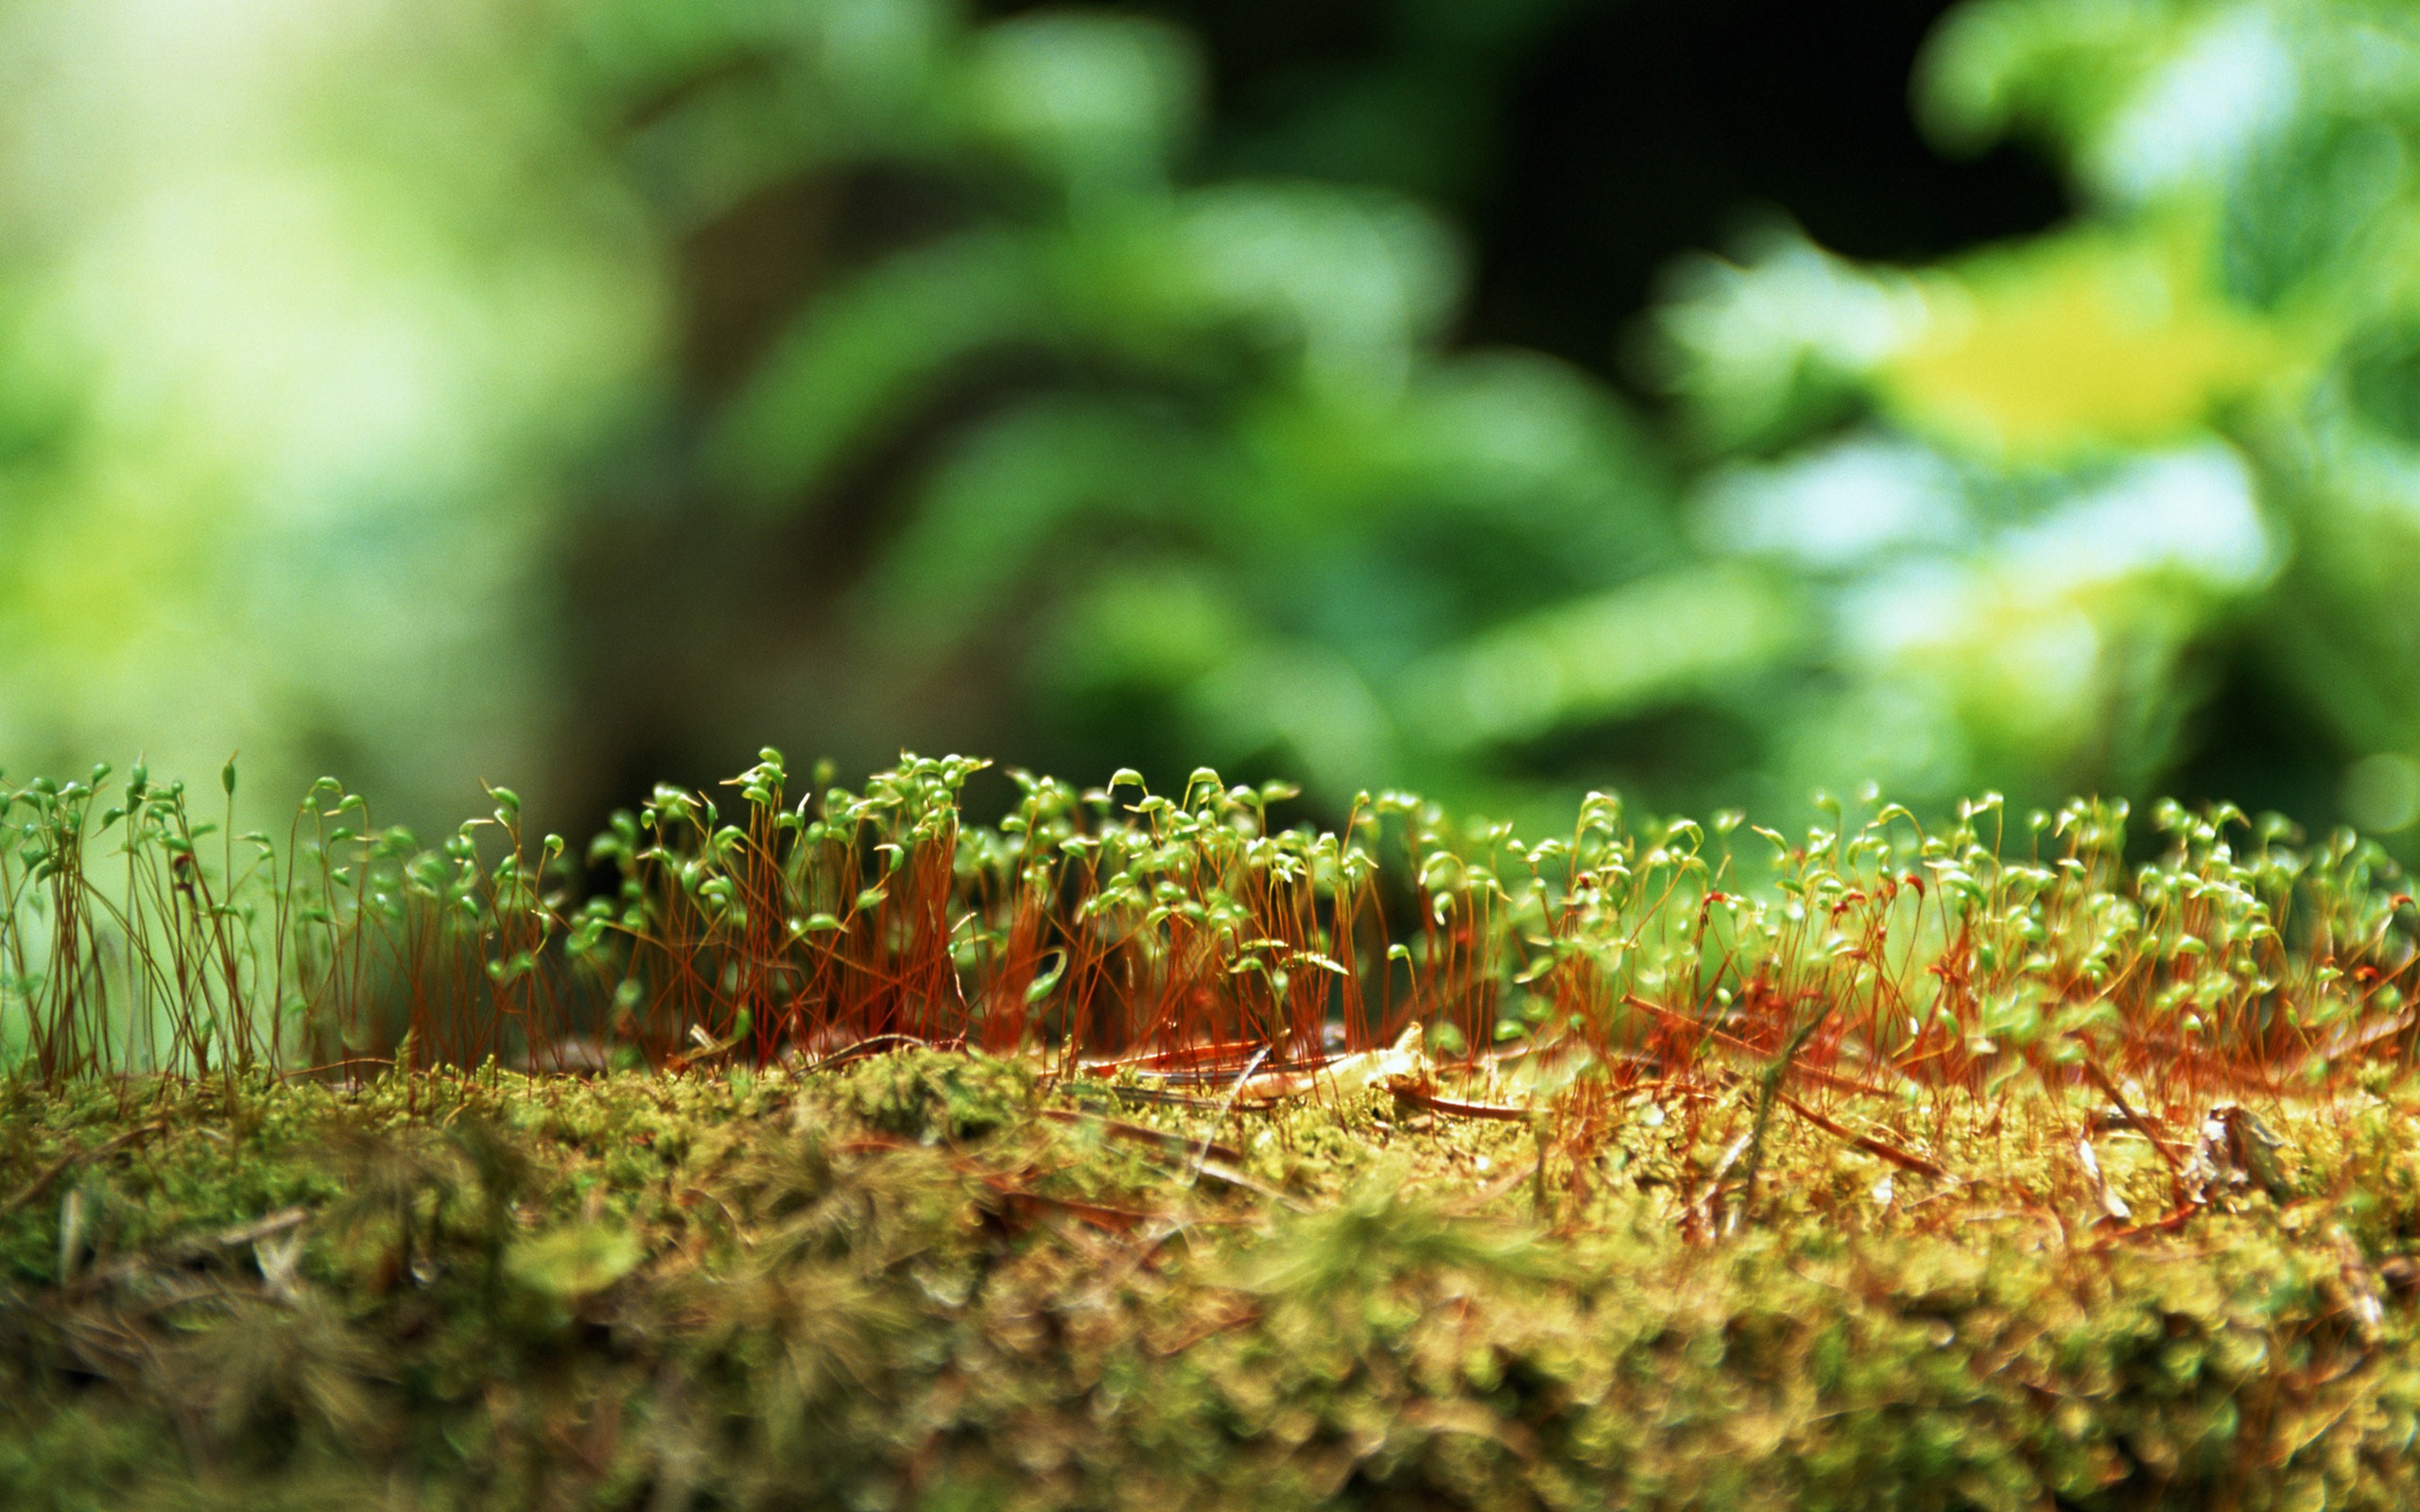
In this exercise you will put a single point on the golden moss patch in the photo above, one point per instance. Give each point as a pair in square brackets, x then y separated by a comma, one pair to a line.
[927, 1279]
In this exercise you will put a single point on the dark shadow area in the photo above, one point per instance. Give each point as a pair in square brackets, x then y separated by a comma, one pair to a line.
[1581, 146]
[2252, 745]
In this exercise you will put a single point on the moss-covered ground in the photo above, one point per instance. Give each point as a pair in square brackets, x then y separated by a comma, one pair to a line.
[947, 1280]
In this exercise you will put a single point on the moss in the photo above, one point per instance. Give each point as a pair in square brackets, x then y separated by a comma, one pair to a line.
[925, 1096]
[932, 1279]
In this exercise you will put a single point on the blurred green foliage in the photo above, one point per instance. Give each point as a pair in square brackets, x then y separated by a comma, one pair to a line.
[555, 392]
[2051, 492]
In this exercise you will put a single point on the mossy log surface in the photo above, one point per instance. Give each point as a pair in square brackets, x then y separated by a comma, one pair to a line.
[943, 1280]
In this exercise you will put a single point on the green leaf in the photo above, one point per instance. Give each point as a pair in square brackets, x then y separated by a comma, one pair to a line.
[1045, 983]
[569, 1263]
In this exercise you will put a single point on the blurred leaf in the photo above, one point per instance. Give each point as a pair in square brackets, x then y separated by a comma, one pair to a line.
[852, 368]
[1605, 655]
[1356, 278]
[574, 1262]
[2069, 344]
[1007, 487]
[1097, 101]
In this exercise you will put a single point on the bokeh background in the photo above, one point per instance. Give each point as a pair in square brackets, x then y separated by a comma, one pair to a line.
[1709, 399]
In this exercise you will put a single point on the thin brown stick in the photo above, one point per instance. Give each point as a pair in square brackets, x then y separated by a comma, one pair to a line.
[1454, 1108]
[32, 1191]
[195, 1246]
[1177, 1143]
[1905, 1159]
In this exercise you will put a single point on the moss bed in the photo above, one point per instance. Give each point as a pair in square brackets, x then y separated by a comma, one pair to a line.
[943, 1280]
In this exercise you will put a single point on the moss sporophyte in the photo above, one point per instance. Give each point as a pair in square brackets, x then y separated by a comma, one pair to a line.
[1136, 1151]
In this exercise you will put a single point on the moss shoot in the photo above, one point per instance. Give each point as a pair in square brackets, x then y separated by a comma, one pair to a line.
[1137, 1151]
